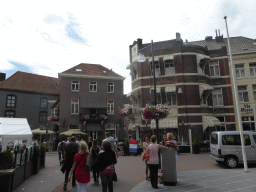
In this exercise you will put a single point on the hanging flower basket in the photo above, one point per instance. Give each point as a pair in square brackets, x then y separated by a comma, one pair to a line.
[103, 117]
[155, 112]
[84, 118]
[53, 118]
[125, 111]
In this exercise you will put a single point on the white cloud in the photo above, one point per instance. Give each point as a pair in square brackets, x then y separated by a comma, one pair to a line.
[52, 36]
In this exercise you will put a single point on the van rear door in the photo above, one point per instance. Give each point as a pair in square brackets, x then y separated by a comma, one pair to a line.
[214, 144]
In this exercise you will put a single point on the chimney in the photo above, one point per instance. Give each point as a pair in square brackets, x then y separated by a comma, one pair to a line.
[178, 39]
[208, 38]
[2, 77]
[218, 38]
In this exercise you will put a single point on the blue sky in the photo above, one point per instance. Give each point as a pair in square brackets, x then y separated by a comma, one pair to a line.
[48, 37]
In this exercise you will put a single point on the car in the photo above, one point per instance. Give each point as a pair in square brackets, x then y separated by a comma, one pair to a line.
[225, 147]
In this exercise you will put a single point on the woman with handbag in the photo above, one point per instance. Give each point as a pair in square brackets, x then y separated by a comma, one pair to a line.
[94, 151]
[153, 160]
[105, 165]
[145, 146]
[80, 160]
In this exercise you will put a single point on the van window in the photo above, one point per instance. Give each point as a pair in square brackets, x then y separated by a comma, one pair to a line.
[214, 139]
[235, 140]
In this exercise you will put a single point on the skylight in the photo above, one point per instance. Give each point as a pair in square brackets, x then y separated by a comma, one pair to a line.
[79, 70]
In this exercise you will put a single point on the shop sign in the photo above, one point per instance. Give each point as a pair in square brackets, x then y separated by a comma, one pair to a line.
[134, 52]
[246, 109]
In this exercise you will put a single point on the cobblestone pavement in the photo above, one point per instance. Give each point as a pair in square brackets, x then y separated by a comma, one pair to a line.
[130, 172]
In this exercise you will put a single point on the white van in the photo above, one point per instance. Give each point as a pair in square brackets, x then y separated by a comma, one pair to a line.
[225, 147]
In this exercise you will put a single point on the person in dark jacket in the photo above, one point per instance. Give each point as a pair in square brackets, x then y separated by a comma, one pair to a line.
[105, 165]
[70, 150]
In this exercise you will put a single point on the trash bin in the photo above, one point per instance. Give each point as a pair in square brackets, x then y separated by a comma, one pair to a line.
[168, 165]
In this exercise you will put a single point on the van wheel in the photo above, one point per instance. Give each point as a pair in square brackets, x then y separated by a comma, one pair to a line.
[231, 162]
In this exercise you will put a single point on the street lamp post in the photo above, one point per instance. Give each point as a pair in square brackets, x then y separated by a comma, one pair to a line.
[141, 58]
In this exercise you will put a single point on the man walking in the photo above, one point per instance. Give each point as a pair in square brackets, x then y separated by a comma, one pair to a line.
[70, 150]
[113, 143]
[61, 149]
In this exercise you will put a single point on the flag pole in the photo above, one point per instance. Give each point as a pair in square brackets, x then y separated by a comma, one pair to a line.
[236, 100]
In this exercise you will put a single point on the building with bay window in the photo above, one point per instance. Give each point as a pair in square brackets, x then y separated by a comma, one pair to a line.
[194, 79]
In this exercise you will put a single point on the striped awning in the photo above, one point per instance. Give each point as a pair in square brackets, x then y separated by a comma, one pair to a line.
[169, 57]
[204, 87]
[199, 57]
[168, 122]
[170, 89]
[155, 59]
[209, 121]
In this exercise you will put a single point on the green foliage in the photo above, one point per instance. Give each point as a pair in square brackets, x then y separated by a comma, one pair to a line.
[37, 151]
[43, 148]
[195, 141]
[7, 160]
[121, 144]
[126, 142]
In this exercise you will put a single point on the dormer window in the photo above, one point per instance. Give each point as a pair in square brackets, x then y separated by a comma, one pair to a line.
[79, 70]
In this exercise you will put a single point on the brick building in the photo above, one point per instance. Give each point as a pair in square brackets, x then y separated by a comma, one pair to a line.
[193, 79]
[93, 90]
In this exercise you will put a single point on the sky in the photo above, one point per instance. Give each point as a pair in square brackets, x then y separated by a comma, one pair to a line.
[49, 37]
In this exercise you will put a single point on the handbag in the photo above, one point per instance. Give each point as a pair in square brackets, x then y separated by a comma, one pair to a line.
[88, 165]
[145, 156]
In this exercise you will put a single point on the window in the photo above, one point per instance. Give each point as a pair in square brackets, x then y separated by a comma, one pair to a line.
[42, 117]
[55, 111]
[135, 75]
[217, 97]
[252, 69]
[169, 67]
[214, 68]
[75, 85]
[93, 86]
[74, 106]
[158, 98]
[200, 68]
[43, 103]
[248, 123]
[254, 92]
[110, 87]
[11, 101]
[110, 106]
[171, 98]
[222, 126]
[235, 140]
[243, 94]
[111, 129]
[9, 113]
[204, 98]
[240, 70]
[157, 71]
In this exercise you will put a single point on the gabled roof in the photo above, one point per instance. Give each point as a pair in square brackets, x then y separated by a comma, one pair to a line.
[91, 69]
[31, 82]
[238, 44]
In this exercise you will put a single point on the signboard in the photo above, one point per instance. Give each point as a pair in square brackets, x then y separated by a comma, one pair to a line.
[133, 146]
[134, 52]
[246, 109]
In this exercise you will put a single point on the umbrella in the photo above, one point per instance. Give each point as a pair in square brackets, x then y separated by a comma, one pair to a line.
[41, 132]
[73, 132]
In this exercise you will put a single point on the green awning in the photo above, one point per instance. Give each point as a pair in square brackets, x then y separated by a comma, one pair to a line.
[93, 103]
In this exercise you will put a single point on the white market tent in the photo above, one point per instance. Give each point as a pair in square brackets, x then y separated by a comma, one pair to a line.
[14, 130]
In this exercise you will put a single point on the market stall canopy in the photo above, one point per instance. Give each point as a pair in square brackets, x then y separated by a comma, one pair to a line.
[168, 122]
[209, 121]
[42, 132]
[73, 132]
[12, 129]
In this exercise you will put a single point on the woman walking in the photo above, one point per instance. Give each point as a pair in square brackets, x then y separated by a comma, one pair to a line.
[50, 146]
[145, 147]
[153, 160]
[105, 165]
[94, 151]
[80, 159]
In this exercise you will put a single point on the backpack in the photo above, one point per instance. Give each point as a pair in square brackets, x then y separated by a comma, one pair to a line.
[62, 146]
[112, 140]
